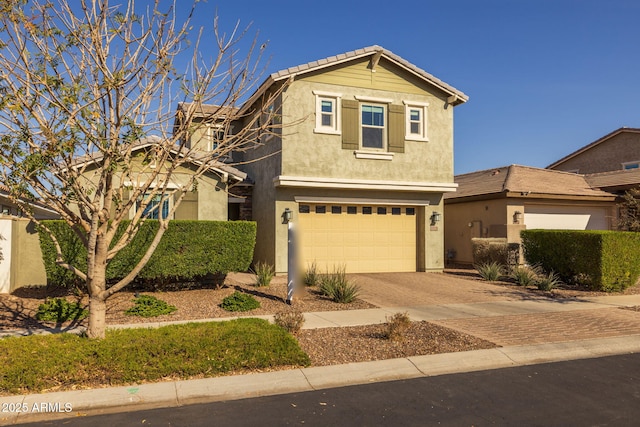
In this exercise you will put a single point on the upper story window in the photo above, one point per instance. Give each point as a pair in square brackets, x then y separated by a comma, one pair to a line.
[214, 136]
[416, 121]
[373, 130]
[327, 112]
[631, 165]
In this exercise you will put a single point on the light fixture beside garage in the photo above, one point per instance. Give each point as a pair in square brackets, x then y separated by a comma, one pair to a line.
[287, 216]
[517, 217]
[435, 217]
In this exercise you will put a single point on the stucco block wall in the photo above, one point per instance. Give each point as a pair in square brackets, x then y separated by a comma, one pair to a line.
[606, 156]
[22, 263]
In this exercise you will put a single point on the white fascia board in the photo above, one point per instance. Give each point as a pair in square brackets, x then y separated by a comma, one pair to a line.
[363, 184]
[361, 201]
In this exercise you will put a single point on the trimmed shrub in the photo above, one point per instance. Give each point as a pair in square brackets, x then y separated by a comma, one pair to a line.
[149, 306]
[490, 250]
[291, 321]
[238, 301]
[188, 251]
[60, 310]
[603, 260]
[337, 287]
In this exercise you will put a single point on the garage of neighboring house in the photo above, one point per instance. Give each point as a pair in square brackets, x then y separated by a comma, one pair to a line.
[551, 217]
[362, 238]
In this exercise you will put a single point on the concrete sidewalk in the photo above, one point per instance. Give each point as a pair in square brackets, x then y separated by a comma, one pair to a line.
[543, 330]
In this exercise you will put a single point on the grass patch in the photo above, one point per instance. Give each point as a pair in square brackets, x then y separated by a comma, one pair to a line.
[133, 356]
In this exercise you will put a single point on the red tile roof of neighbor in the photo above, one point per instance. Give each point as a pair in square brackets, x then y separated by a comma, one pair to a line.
[528, 181]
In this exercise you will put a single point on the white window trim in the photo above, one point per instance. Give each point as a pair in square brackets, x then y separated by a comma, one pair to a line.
[212, 128]
[373, 155]
[336, 129]
[385, 132]
[374, 99]
[625, 164]
[422, 106]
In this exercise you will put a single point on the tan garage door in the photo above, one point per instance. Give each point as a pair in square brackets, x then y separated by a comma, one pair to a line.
[364, 239]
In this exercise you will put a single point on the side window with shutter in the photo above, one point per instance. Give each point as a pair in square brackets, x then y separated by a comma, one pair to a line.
[396, 128]
[350, 125]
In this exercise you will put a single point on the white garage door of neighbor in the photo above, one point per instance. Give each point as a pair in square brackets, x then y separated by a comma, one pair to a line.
[363, 239]
[565, 218]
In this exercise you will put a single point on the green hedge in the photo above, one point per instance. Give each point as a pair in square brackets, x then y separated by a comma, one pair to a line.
[188, 251]
[603, 260]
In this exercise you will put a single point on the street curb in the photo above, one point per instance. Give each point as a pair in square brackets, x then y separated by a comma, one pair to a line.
[68, 404]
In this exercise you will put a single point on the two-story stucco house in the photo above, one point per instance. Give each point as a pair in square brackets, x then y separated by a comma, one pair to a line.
[362, 156]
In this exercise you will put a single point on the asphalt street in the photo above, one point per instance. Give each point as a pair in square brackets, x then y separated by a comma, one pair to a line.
[588, 392]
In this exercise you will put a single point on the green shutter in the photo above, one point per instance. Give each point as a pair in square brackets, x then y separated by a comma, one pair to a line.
[396, 128]
[350, 125]
[188, 208]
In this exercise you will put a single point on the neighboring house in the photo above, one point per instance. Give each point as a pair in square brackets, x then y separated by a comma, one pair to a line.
[611, 163]
[9, 209]
[208, 200]
[501, 202]
[362, 155]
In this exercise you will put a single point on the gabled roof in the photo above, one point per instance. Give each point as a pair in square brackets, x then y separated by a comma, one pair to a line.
[376, 52]
[153, 140]
[593, 144]
[527, 181]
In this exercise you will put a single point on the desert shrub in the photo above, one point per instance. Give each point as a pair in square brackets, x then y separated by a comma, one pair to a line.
[490, 271]
[337, 287]
[239, 301]
[548, 281]
[264, 273]
[291, 321]
[311, 275]
[60, 310]
[149, 306]
[396, 326]
[524, 276]
[488, 250]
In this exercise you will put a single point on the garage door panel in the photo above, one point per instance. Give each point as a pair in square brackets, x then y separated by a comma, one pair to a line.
[361, 242]
[565, 218]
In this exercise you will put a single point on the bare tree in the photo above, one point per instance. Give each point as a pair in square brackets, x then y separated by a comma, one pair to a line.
[629, 211]
[82, 85]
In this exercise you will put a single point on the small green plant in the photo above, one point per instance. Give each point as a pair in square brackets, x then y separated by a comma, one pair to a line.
[311, 275]
[524, 276]
[60, 310]
[149, 306]
[396, 326]
[291, 321]
[238, 301]
[548, 281]
[264, 273]
[490, 271]
[337, 287]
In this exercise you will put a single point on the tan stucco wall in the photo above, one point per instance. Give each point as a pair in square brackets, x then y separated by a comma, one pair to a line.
[606, 156]
[485, 218]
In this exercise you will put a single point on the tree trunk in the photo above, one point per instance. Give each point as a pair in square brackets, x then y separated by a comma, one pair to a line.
[97, 317]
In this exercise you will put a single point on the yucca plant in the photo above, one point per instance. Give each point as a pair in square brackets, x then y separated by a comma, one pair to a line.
[490, 271]
[337, 287]
[264, 274]
[311, 276]
[524, 276]
[548, 281]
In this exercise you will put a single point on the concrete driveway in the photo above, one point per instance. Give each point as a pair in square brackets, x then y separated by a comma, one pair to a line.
[422, 289]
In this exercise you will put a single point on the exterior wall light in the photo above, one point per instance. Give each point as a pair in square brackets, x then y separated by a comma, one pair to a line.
[517, 217]
[435, 217]
[287, 216]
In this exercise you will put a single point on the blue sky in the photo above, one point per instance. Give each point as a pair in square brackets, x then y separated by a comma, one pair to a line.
[544, 77]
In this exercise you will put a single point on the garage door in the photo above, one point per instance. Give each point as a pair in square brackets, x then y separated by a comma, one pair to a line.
[364, 239]
[565, 218]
